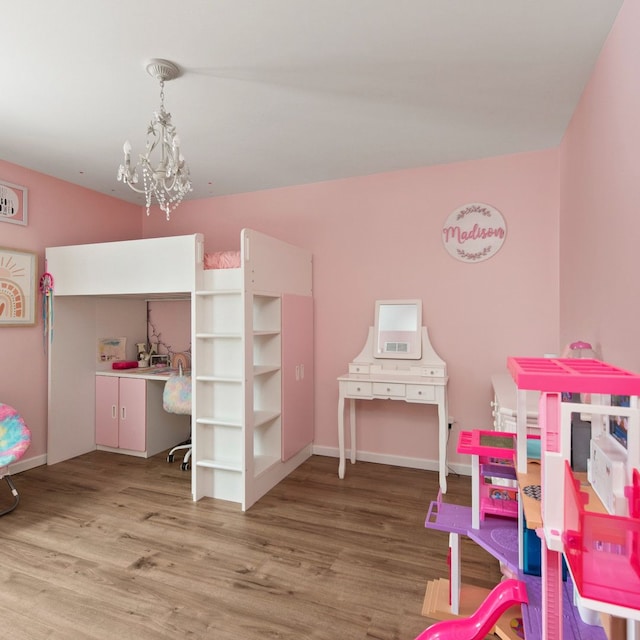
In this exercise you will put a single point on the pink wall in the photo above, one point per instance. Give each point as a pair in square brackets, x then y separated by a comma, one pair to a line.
[58, 213]
[169, 325]
[564, 272]
[600, 216]
[380, 237]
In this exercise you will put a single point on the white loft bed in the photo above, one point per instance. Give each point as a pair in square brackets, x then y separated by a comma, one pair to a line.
[252, 351]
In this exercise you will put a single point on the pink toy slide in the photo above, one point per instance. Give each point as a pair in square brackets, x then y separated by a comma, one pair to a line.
[477, 626]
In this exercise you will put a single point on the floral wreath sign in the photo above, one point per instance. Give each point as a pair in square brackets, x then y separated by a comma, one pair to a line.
[474, 232]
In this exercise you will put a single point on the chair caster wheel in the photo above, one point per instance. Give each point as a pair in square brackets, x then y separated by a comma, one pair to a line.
[185, 466]
[170, 457]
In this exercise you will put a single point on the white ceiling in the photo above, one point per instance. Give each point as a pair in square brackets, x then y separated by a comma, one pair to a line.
[283, 92]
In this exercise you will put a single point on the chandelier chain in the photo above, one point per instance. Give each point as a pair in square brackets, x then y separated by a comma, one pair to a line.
[161, 94]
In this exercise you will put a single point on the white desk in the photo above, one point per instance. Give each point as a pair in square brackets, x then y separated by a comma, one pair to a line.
[146, 373]
[410, 388]
[420, 381]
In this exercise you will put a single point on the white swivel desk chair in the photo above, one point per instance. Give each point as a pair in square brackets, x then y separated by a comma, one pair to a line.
[176, 398]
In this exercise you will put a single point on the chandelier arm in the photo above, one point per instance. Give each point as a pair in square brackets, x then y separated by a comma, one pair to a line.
[134, 188]
[173, 179]
[154, 140]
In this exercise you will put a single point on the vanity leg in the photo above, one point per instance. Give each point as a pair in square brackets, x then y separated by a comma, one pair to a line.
[341, 433]
[352, 425]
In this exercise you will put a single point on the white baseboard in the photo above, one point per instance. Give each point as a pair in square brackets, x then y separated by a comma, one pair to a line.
[331, 452]
[28, 463]
[396, 461]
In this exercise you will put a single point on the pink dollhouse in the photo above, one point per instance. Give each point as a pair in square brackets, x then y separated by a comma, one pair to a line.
[592, 522]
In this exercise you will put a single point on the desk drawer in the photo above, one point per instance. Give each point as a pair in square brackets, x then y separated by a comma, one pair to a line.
[387, 389]
[358, 368]
[358, 389]
[421, 392]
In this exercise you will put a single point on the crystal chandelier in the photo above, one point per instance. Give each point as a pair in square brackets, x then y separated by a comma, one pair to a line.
[167, 177]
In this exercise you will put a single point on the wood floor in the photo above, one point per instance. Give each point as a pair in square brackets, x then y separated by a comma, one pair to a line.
[107, 546]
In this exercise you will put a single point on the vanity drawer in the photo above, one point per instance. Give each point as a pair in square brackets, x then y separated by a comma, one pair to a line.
[358, 389]
[388, 389]
[421, 392]
[358, 368]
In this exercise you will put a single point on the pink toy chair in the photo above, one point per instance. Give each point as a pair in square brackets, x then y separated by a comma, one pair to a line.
[15, 439]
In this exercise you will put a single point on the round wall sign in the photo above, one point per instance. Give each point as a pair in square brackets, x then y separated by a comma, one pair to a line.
[474, 232]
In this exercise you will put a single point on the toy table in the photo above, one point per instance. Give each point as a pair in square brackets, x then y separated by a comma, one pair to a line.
[492, 456]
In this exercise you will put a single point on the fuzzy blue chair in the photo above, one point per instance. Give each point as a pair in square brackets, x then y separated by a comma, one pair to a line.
[15, 439]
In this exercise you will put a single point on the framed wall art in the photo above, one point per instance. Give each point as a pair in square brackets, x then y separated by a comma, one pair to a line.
[13, 203]
[18, 271]
[111, 349]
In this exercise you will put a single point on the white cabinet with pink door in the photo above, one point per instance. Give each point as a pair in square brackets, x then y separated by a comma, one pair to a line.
[120, 413]
[130, 418]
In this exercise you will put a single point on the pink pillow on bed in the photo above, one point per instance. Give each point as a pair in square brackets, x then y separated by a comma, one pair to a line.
[222, 260]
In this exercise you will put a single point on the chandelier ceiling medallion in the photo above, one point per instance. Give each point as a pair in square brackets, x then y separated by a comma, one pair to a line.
[165, 178]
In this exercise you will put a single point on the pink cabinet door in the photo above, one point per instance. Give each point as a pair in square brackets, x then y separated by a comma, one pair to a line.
[107, 411]
[297, 374]
[132, 425]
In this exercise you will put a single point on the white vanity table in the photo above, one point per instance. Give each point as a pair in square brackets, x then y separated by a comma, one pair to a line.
[392, 366]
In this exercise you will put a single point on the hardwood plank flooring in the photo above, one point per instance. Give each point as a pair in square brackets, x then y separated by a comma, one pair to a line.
[108, 546]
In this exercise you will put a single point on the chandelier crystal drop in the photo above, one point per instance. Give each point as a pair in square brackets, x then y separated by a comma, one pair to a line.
[165, 178]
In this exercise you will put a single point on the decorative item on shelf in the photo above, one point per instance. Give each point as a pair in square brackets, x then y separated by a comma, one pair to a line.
[143, 355]
[580, 349]
[167, 179]
[112, 349]
[124, 364]
[159, 360]
[181, 361]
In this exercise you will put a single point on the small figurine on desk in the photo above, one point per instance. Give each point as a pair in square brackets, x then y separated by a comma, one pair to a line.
[143, 356]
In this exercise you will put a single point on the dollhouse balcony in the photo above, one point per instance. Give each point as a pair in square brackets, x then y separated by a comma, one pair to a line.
[602, 551]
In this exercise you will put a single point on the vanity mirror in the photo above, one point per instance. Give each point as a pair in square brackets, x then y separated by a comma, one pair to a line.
[398, 329]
